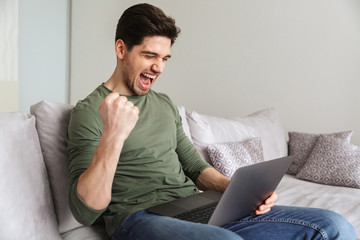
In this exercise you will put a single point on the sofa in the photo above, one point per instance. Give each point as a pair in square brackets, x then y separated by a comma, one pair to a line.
[34, 165]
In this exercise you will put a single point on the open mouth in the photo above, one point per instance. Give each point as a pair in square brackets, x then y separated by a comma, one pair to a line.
[147, 79]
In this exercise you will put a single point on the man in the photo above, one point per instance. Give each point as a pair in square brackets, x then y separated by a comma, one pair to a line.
[128, 152]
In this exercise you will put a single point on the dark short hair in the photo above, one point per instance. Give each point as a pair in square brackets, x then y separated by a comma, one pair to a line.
[144, 20]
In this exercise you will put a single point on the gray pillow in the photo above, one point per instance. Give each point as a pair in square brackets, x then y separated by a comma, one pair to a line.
[301, 145]
[227, 157]
[52, 122]
[27, 210]
[333, 161]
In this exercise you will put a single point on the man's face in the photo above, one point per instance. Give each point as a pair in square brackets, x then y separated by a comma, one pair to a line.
[144, 63]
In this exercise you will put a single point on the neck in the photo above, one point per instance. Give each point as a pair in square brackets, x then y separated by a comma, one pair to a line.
[116, 84]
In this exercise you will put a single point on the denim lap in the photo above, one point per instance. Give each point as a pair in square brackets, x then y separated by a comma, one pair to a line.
[143, 225]
[282, 222]
[296, 223]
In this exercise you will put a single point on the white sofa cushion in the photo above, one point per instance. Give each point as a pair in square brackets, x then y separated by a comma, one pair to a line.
[51, 122]
[27, 210]
[266, 124]
[343, 200]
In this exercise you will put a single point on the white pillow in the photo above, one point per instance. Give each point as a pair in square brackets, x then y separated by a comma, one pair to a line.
[27, 210]
[206, 130]
[269, 128]
[185, 124]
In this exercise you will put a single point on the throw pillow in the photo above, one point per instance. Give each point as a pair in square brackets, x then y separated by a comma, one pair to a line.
[206, 130]
[51, 122]
[27, 210]
[228, 157]
[333, 161]
[301, 145]
[268, 126]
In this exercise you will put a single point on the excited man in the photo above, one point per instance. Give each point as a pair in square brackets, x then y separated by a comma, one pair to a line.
[128, 152]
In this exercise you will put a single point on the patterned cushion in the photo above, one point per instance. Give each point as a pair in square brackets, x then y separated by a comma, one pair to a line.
[228, 157]
[334, 162]
[301, 145]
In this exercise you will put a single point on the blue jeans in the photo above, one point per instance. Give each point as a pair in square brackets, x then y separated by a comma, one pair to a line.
[281, 222]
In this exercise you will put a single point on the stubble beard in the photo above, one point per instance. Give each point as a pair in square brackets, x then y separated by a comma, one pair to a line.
[131, 85]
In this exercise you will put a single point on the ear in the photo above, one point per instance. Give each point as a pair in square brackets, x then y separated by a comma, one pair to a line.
[120, 49]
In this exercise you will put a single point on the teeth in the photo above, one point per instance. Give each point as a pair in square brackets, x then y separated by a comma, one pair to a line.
[149, 76]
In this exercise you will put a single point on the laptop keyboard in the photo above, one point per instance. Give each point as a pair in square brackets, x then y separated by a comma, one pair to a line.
[199, 215]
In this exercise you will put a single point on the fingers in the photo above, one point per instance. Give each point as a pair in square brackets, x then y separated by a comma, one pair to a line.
[271, 199]
[118, 115]
[128, 105]
[269, 203]
[259, 212]
[135, 110]
[115, 96]
[122, 101]
[114, 102]
[263, 209]
[120, 104]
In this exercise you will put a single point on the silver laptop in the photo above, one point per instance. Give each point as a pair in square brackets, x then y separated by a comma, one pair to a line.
[248, 189]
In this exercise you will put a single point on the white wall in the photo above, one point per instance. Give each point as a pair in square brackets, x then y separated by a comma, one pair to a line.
[43, 51]
[236, 57]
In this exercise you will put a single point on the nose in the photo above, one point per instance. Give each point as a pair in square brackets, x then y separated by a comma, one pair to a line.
[158, 66]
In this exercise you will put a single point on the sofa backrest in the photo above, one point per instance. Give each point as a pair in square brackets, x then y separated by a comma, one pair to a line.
[52, 121]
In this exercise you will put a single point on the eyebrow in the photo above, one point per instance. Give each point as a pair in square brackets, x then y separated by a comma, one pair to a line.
[154, 53]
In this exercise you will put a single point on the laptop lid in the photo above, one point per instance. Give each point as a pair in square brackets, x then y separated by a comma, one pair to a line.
[248, 189]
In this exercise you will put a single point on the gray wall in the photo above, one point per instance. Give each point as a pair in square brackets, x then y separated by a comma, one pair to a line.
[43, 51]
[236, 57]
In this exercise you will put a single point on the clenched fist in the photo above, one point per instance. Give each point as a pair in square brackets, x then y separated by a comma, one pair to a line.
[119, 116]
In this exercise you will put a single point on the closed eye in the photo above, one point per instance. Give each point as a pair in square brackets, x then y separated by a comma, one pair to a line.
[151, 55]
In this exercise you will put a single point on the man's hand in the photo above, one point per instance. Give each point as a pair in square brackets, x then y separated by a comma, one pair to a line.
[266, 207]
[119, 115]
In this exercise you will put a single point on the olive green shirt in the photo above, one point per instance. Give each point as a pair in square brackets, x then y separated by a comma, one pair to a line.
[158, 163]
